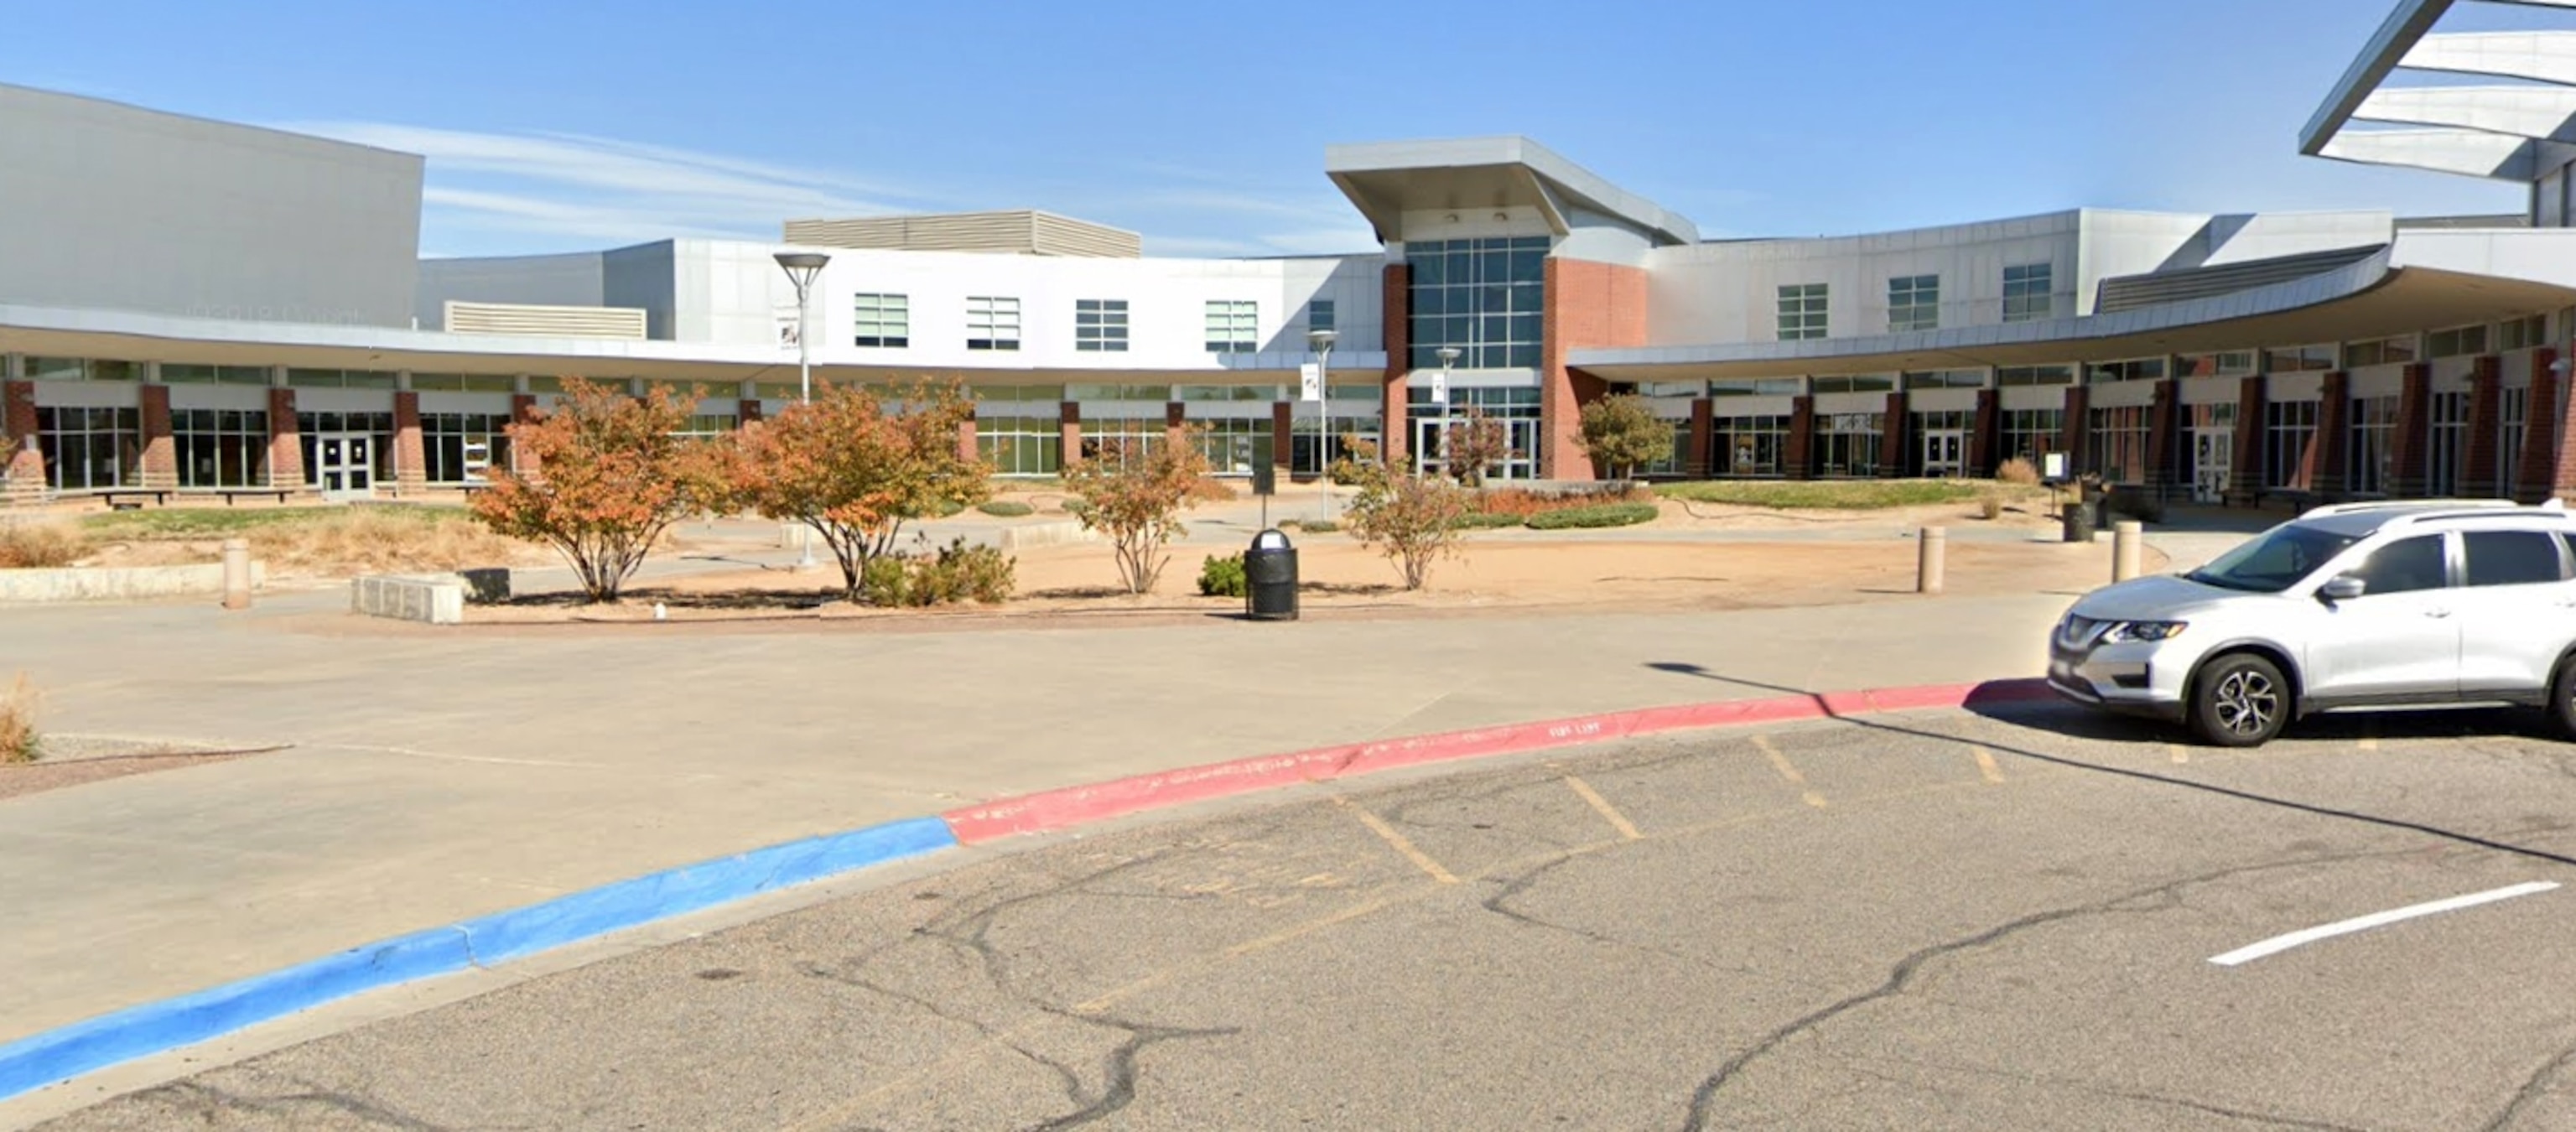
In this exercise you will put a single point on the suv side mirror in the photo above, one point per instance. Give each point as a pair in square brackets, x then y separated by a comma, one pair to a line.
[2342, 588]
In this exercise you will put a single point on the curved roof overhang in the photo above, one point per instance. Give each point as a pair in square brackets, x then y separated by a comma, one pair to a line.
[2368, 299]
[1385, 180]
[2500, 132]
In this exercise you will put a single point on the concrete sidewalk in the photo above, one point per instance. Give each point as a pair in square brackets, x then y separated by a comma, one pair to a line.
[437, 775]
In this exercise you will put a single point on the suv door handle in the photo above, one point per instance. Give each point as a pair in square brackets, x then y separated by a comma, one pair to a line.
[2437, 613]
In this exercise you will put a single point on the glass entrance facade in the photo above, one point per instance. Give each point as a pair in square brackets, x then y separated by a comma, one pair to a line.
[1483, 296]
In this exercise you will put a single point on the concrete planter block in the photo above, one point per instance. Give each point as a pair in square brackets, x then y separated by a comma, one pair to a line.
[124, 584]
[434, 599]
[487, 586]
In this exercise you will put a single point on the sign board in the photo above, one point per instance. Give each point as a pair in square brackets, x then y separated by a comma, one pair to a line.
[790, 328]
[1265, 478]
[1440, 387]
[2052, 467]
[1310, 382]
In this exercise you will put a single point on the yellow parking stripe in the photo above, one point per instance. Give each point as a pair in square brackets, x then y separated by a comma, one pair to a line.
[1789, 771]
[1398, 841]
[1986, 765]
[1593, 798]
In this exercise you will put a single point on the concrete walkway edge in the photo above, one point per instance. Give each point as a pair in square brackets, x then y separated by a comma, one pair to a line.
[58, 1056]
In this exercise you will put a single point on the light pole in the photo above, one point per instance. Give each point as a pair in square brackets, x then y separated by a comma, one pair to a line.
[801, 268]
[1321, 341]
[1440, 397]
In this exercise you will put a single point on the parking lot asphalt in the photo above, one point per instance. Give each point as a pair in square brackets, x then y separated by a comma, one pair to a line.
[1930, 921]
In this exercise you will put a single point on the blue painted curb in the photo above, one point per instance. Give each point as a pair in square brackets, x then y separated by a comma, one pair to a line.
[59, 1055]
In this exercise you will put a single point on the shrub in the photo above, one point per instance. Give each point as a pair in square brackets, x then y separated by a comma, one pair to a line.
[1210, 489]
[1006, 508]
[39, 546]
[1990, 507]
[2019, 472]
[607, 475]
[1412, 519]
[1473, 445]
[19, 742]
[957, 572]
[1136, 498]
[1598, 515]
[854, 469]
[1223, 577]
[1318, 526]
[1488, 520]
[1621, 432]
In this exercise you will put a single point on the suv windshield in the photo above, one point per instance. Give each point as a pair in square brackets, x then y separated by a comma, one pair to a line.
[2274, 562]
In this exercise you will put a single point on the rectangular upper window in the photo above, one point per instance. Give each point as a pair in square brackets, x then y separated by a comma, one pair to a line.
[1319, 315]
[2298, 359]
[2523, 333]
[2379, 352]
[1913, 303]
[992, 323]
[1100, 325]
[1233, 327]
[2028, 292]
[2457, 342]
[2009, 376]
[882, 320]
[1802, 312]
[2141, 369]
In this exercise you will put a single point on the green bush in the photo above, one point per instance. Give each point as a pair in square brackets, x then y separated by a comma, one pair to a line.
[1006, 508]
[1223, 577]
[1318, 526]
[958, 572]
[1486, 521]
[949, 509]
[1601, 515]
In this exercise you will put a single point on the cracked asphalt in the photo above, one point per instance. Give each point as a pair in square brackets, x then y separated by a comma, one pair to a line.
[1926, 922]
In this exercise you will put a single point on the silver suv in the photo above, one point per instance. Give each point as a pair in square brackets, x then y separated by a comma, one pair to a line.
[2417, 604]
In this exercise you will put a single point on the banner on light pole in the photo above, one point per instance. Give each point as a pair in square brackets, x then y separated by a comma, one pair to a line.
[1310, 382]
[1439, 387]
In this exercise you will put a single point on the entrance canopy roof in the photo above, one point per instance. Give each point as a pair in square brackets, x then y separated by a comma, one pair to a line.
[2374, 297]
[2473, 125]
[1385, 180]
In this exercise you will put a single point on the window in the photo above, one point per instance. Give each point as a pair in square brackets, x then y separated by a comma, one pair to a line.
[463, 382]
[1264, 394]
[2233, 363]
[1483, 296]
[1847, 444]
[2290, 432]
[2027, 296]
[176, 373]
[1913, 303]
[1155, 394]
[1100, 325]
[1749, 446]
[2032, 433]
[2278, 560]
[2455, 343]
[1947, 379]
[1233, 327]
[1857, 383]
[886, 320]
[1319, 314]
[2523, 333]
[1134, 437]
[2299, 359]
[460, 447]
[90, 369]
[2034, 375]
[2117, 448]
[86, 449]
[2409, 566]
[1021, 446]
[220, 448]
[2369, 449]
[2143, 369]
[2381, 352]
[2514, 409]
[992, 323]
[2513, 558]
[1802, 312]
[1756, 387]
[2446, 464]
[339, 379]
[707, 426]
[1233, 446]
[1516, 409]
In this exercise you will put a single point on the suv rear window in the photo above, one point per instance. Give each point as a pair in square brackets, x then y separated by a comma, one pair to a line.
[2512, 558]
[2405, 566]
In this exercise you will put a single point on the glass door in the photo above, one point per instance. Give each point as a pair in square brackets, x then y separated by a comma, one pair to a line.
[1522, 464]
[344, 465]
[1944, 452]
[2213, 463]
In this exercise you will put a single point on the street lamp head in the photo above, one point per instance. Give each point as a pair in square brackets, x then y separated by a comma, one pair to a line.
[1321, 340]
[2561, 366]
[1448, 356]
[802, 267]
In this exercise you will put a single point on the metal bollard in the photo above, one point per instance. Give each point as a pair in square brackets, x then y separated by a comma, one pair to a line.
[2128, 546]
[236, 573]
[1930, 568]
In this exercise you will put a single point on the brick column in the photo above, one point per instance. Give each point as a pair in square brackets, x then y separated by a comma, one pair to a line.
[1984, 432]
[1068, 423]
[747, 410]
[1894, 429]
[2412, 444]
[2326, 456]
[1800, 458]
[2072, 434]
[26, 470]
[1396, 315]
[285, 441]
[411, 456]
[160, 458]
[2486, 413]
[1700, 461]
[2538, 474]
[2164, 426]
[1283, 435]
[1176, 429]
[2562, 448]
[2245, 488]
[966, 440]
[523, 410]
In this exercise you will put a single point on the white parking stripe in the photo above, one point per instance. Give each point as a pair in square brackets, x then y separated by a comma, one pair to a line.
[2278, 944]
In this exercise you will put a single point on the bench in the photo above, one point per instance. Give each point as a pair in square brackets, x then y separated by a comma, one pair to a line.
[281, 494]
[114, 497]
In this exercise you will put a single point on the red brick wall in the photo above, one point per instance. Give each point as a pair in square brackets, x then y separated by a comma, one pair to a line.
[2334, 418]
[748, 410]
[1800, 457]
[1703, 437]
[2534, 481]
[1282, 434]
[2407, 463]
[160, 460]
[411, 456]
[2486, 413]
[1983, 434]
[1068, 419]
[2074, 433]
[965, 439]
[1397, 307]
[18, 422]
[285, 443]
[2251, 395]
[1895, 434]
[1176, 429]
[2161, 428]
[1588, 305]
[523, 410]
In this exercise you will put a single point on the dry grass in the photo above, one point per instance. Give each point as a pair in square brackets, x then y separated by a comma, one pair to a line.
[39, 546]
[361, 540]
[19, 742]
[2018, 472]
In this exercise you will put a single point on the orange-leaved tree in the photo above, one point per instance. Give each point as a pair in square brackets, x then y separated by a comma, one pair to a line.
[606, 477]
[1412, 519]
[1473, 446]
[1135, 494]
[854, 469]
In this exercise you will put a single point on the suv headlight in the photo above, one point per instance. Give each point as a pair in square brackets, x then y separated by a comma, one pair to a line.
[2145, 631]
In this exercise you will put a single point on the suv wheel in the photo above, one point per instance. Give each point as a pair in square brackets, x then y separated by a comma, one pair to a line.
[2239, 700]
[2562, 698]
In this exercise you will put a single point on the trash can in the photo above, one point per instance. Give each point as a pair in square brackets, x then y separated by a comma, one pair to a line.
[1270, 578]
[2082, 518]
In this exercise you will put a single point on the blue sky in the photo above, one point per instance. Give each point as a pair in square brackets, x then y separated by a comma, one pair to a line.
[556, 126]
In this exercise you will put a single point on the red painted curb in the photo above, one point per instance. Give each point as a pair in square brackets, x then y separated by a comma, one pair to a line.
[1081, 805]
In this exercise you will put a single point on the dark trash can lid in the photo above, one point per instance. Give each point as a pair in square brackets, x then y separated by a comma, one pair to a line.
[1272, 539]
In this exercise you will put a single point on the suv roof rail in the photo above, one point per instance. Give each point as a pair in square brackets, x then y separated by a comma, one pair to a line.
[2443, 505]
